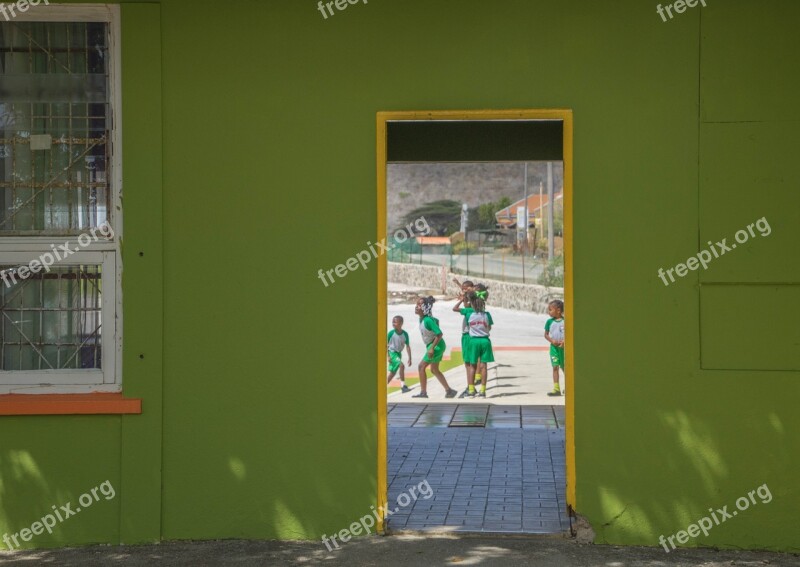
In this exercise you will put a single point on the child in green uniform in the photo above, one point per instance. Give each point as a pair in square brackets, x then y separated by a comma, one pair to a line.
[480, 346]
[483, 293]
[466, 288]
[554, 333]
[396, 340]
[434, 345]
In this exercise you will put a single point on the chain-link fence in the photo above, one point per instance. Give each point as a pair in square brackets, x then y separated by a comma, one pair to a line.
[503, 264]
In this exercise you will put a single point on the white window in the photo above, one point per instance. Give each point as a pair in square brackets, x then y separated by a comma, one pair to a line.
[60, 201]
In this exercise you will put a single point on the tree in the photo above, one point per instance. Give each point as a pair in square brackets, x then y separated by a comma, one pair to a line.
[485, 215]
[553, 273]
[444, 217]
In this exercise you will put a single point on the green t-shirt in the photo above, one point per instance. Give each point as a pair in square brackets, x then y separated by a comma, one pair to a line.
[397, 342]
[429, 328]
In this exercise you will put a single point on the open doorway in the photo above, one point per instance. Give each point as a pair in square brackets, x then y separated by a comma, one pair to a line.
[483, 196]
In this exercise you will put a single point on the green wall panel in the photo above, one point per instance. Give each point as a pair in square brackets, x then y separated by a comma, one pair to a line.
[750, 61]
[142, 285]
[700, 440]
[52, 461]
[749, 172]
[291, 141]
[749, 327]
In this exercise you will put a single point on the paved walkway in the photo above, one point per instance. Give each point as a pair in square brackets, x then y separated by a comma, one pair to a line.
[482, 480]
[475, 415]
[491, 468]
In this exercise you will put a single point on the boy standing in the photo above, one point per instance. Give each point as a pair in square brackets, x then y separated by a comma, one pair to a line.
[396, 340]
[554, 333]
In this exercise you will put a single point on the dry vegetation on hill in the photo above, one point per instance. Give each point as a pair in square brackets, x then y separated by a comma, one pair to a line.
[411, 185]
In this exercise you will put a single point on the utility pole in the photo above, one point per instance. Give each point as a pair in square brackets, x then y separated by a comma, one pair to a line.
[541, 205]
[526, 207]
[464, 229]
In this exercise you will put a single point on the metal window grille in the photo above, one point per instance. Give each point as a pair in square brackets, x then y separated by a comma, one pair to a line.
[51, 321]
[54, 127]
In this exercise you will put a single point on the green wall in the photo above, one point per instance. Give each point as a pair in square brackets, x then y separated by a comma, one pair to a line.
[53, 460]
[683, 134]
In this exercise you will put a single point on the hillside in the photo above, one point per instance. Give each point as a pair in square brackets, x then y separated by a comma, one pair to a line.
[410, 185]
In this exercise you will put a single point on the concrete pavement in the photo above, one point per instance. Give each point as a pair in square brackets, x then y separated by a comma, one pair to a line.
[519, 376]
[427, 550]
[521, 373]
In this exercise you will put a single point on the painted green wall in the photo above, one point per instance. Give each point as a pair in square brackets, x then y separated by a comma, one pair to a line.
[52, 460]
[268, 430]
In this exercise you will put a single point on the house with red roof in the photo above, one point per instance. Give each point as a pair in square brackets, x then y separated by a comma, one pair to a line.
[537, 207]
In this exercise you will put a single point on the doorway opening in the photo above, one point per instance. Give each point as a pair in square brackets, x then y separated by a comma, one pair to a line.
[484, 196]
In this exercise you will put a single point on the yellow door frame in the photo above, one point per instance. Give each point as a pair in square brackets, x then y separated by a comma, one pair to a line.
[565, 115]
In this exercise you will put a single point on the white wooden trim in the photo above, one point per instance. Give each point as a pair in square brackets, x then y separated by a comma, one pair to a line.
[47, 377]
[60, 388]
[109, 321]
[110, 351]
[23, 258]
[10, 244]
[52, 12]
[115, 216]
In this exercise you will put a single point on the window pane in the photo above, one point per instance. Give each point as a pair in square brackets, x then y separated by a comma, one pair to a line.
[54, 127]
[51, 320]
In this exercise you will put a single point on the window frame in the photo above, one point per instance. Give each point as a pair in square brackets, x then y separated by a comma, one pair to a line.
[106, 252]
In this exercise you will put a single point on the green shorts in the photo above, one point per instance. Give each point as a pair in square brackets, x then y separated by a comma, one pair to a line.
[438, 352]
[395, 361]
[557, 356]
[480, 348]
[465, 346]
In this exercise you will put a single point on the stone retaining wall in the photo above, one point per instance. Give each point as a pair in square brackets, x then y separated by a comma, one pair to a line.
[523, 297]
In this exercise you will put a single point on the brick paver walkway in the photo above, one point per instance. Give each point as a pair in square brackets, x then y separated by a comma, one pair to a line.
[491, 468]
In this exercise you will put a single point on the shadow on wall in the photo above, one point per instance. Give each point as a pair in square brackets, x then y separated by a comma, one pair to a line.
[255, 490]
[37, 510]
[321, 508]
[702, 479]
[32, 487]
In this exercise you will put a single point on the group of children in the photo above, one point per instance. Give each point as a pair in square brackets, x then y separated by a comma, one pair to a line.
[476, 345]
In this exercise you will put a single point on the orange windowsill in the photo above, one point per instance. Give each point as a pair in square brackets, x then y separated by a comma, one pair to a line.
[68, 404]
